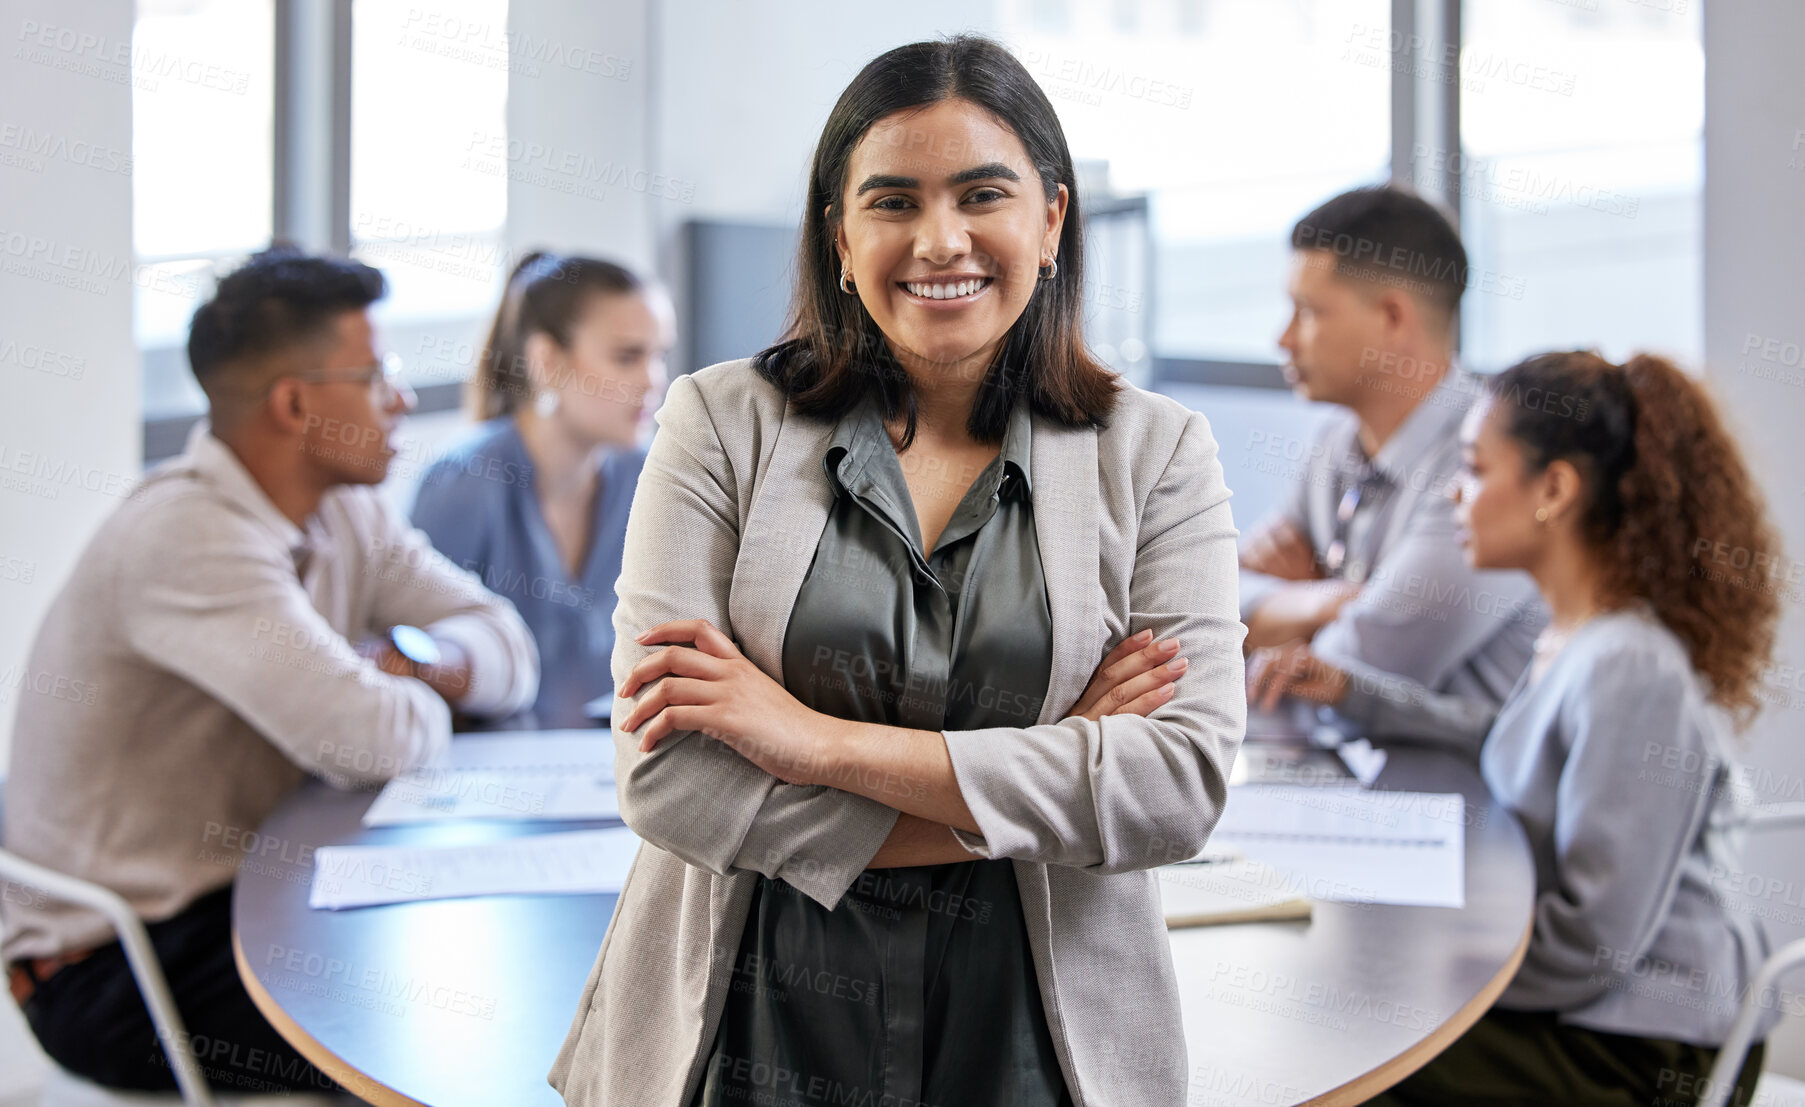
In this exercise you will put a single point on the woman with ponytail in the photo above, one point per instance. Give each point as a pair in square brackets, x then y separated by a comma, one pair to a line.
[535, 502]
[1620, 491]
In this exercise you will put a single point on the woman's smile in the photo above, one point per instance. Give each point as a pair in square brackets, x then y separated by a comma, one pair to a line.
[946, 292]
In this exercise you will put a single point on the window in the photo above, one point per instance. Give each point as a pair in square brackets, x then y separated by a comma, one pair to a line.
[429, 190]
[202, 82]
[1234, 117]
[423, 204]
[1580, 176]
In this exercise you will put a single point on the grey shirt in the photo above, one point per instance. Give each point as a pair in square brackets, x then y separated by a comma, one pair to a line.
[1620, 770]
[1424, 619]
[198, 664]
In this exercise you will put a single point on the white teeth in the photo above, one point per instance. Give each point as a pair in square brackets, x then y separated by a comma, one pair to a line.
[945, 291]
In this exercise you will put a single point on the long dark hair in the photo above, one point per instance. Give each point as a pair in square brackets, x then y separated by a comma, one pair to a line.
[545, 294]
[1668, 505]
[833, 351]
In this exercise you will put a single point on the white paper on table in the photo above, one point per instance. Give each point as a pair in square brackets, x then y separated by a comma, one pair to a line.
[1363, 760]
[542, 775]
[1353, 846]
[576, 862]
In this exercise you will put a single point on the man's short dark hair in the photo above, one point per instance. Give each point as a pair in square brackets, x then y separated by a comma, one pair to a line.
[280, 298]
[1390, 236]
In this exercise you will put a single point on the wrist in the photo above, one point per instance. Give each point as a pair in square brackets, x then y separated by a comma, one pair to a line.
[832, 749]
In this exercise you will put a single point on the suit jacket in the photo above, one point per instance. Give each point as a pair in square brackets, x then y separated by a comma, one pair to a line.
[1134, 532]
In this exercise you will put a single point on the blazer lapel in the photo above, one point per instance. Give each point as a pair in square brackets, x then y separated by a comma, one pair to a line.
[1066, 514]
[789, 511]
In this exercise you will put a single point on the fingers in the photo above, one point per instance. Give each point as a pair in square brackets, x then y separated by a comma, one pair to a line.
[1127, 646]
[1145, 692]
[1136, 662]
[1274, 672]
[674, 660]
[670, 692]
[1148, 702]
[703, 633]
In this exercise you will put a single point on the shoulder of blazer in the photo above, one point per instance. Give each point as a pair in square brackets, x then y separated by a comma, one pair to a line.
[1144, 432]
[735, 388]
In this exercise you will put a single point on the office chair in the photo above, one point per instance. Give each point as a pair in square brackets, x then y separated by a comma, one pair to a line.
[64, 1089]
[138, 952]
[1790, 956]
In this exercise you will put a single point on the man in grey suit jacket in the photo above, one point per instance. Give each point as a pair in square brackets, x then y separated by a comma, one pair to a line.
[1362, 567]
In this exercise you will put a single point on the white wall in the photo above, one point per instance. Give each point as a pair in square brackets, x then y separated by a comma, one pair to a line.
[581, 177]
[1754, 286]
[68, 446]
[69, 396]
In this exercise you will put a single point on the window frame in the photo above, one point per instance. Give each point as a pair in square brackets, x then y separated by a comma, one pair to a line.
[311, 185]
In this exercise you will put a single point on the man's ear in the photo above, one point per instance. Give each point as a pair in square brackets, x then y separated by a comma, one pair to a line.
[288, 406]
[1400, 312]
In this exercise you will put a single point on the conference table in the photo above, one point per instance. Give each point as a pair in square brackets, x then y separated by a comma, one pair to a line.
[464, 1003]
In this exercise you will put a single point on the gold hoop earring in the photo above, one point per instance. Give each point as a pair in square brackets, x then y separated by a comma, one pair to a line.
[846, 286]
[1049, 269]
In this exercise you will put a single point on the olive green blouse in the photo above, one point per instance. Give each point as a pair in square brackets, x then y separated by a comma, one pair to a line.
[920, 985]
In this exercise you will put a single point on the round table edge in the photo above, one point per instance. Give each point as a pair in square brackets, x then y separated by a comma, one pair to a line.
[1364, 1087]
[354, 1080]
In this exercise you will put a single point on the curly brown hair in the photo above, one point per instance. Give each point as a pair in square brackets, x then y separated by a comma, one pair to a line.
[1669, 504]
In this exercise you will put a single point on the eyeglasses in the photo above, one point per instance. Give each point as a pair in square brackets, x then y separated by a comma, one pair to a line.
[383, 376]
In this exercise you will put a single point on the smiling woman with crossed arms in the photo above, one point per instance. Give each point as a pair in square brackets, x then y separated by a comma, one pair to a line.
[898, 792]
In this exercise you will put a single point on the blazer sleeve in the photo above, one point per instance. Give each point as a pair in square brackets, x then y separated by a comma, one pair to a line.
[693, 796]
[1130, 792]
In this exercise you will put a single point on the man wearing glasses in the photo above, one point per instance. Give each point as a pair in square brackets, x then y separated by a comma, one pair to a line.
[1360, 567]
[252, 614]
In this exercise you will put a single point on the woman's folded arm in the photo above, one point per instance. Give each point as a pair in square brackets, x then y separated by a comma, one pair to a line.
[1130, 792]
[691, 795]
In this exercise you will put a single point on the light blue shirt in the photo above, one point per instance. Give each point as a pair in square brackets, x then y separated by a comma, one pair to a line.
[1620, 769]
[480, 506]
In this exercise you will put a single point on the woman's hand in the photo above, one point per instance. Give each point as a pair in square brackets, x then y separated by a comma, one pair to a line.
[1134, 679]
[715, 689]
[1292, 670]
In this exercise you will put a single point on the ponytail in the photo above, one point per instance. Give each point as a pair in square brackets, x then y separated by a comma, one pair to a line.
[544, 294]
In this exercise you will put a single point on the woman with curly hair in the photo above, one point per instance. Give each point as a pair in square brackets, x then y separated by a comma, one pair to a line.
[1619, 490]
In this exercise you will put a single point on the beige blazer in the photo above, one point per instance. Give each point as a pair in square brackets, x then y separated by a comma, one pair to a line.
[1134, 532]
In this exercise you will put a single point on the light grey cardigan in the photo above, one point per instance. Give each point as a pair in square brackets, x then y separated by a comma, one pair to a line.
[1621, 771]
[1134, 532]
